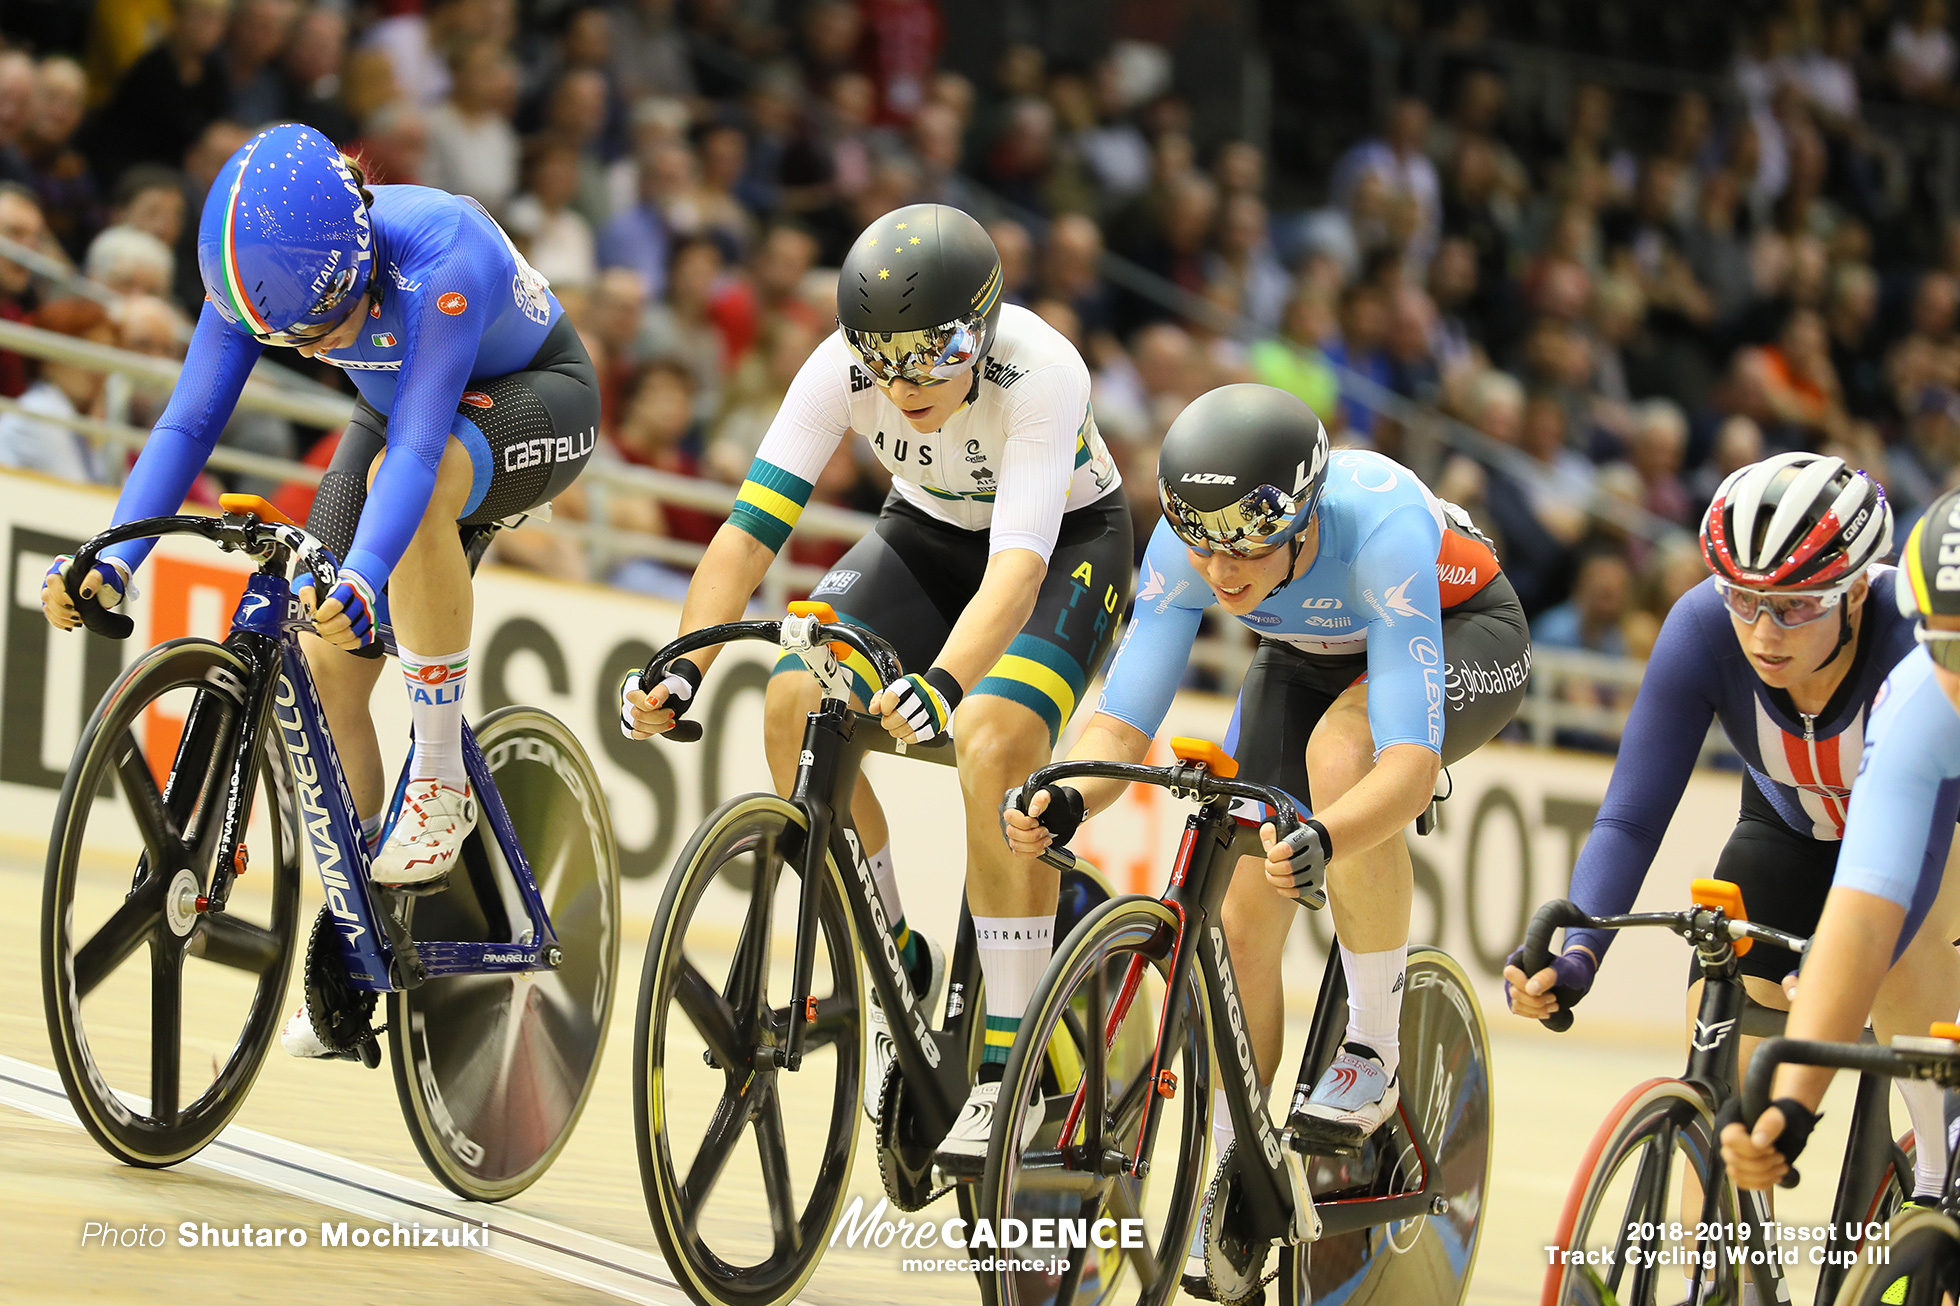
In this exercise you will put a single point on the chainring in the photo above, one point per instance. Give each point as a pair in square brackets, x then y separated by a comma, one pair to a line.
[906, 1168]
[1232, 1263]
[342, 1015]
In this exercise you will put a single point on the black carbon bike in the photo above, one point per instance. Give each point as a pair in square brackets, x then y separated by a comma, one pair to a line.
[748, 1053]
[1394, 1222]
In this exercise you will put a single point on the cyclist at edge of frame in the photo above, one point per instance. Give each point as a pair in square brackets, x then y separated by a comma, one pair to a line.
[462, 357]
[1894, 863]
[999, 571]
[1787, 644]
[1390, 643]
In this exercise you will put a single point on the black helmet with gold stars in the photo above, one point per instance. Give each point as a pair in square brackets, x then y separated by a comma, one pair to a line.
[919, 296]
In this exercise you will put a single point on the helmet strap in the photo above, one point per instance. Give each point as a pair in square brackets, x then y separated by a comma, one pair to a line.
[1844, 637]
[1294, 547]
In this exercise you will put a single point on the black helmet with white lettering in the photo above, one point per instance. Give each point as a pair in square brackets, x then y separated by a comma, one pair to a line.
[919, 294]
[1931, 584]
[1242, 469]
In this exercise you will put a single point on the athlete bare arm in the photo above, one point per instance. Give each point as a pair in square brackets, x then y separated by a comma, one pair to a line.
[1374, 811]
[731, 568]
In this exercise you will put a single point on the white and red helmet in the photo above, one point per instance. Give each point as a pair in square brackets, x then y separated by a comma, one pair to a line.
[1798, 521]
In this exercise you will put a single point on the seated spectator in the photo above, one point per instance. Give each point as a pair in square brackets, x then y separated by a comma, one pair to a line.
[553, 235]
[1590, 620]
[472, 146]
[1016, 249]
[1738, 442]
[259, 31]
[1358, 349]
[1244, 254]
[678, 326]
[1535, 548]
[1292, 361]
[150, 198]
[772, 288]
[649, 52]
[1410, 346]
[130, 262]
[755, 392]
[60, 175]
[640, 235]
[394, 143]
[1660, 442]
[1855, 356]
[658, 430]
[618, 306]
[1921, 53]
[1396, 159]
[312, 69]
[20, 222]
[32, 443]
[1796, 375]
[16, 102]
[169, 96]
[1071, 270]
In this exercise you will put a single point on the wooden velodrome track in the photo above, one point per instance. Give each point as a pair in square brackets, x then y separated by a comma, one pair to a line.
[324, 1142]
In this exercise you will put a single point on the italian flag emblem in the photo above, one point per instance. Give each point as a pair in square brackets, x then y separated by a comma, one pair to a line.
[383, 340]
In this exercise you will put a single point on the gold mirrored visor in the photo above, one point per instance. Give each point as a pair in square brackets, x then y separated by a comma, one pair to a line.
[925, 357]
[1249, 527]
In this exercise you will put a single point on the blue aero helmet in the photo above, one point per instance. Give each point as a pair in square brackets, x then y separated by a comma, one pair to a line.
[285, 244]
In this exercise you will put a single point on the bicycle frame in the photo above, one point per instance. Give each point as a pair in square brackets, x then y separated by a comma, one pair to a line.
[380, 955]
[1279, 1201]
[836, 738]
[1724, 1016]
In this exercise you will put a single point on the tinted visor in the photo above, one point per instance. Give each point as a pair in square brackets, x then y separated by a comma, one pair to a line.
[340, 299]
[925, 357]
[1248, 527]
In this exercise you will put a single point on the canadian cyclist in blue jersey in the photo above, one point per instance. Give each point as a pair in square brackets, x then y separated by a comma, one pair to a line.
[1787, 645]
[1892, 863]
[1390, 643]
[999, 571]
[477, 403]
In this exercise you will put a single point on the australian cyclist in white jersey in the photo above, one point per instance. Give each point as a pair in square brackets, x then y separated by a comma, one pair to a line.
[999, 570]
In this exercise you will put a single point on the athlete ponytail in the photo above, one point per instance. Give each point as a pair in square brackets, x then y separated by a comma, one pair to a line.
[357, 169]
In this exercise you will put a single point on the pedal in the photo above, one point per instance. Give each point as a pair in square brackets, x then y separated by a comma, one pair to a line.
[1308, 1135]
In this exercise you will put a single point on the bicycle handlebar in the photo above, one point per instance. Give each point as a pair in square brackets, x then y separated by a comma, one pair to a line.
[1562, 913]
[874, 649]
[1872, 1058]
[247, 533]
[1196, 781]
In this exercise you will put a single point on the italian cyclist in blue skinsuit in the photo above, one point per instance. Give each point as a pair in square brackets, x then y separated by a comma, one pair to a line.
[1787, 645]
[1389, 644]
[1891, 864]
[477, 402]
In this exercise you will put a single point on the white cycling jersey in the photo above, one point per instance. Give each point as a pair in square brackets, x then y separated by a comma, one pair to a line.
[1021, 453]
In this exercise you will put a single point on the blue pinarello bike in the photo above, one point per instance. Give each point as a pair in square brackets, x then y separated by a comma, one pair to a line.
[498, 986]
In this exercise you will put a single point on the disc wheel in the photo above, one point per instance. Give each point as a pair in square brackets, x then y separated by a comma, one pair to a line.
[1445, 1076]
[1924, 1250]
[1657, 1140]
[493, 1070]
[1099, 1005]
[723, 1131]
[184, 1004]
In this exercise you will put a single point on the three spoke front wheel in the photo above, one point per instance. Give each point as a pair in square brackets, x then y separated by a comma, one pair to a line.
[723, 1130]
[126, 942]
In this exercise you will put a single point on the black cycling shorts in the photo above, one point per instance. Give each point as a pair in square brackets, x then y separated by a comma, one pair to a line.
[529, 435]
[1486, 657]
[911, 578]
[1785, 877]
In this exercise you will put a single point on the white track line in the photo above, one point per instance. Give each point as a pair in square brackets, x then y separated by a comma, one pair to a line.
[597, 1263]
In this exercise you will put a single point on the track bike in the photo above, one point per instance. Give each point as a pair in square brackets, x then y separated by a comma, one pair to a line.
[756, 1030]
[1921, 1245]
[498, 987]
[1623, 1235]
[1394, 1221]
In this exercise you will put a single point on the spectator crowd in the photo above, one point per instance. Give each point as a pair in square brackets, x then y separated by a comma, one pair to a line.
[1616, 302]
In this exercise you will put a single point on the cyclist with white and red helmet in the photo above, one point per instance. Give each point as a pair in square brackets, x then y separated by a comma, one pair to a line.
[1787, 645]
[477, 403]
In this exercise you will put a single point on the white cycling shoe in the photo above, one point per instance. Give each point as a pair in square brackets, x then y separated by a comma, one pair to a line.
[963, 1152]
[299, 1038]
[1354, 1096]
[878, 1051]
[427, 840]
